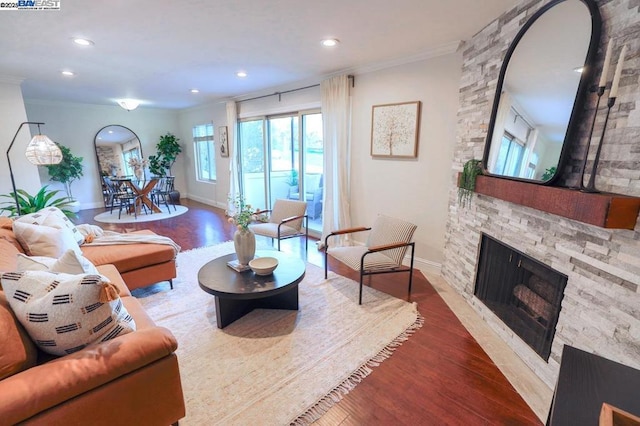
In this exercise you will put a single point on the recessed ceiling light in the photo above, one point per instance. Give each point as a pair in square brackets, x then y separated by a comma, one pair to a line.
[68, 73]
[579, 69]
[241, 74]
[83, 41]
[330, 42]
[195, 91]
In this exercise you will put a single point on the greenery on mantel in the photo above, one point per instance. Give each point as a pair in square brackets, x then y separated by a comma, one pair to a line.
[467, 184]
[548, 174]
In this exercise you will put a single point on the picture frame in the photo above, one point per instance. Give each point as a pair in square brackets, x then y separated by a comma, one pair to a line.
[224, 141]
[395, 130]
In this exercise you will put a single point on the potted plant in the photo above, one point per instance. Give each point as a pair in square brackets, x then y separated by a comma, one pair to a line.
[168, 150]
[33, 203]
[467, 182]
[68, 170]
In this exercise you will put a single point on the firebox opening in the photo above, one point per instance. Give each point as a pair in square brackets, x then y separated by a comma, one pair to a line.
[523, 292]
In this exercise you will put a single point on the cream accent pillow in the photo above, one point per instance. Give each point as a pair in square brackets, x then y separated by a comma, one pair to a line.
[64, 313]
[41, 240]
[53, 217]
[70, 263]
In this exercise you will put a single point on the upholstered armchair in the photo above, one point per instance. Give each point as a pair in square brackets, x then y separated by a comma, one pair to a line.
[312, 195]
[287, 219]
[383, 252]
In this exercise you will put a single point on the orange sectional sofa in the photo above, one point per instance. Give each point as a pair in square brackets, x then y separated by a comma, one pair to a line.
[131, 379]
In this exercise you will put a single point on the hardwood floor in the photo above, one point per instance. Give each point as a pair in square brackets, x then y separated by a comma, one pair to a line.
[440, 376]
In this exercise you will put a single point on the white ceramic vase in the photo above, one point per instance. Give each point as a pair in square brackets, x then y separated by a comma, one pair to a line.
[244, 242]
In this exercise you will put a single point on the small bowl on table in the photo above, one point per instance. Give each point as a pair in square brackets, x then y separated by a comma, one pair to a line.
[263, 265]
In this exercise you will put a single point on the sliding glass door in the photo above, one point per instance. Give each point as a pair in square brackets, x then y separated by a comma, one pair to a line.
[281, 157]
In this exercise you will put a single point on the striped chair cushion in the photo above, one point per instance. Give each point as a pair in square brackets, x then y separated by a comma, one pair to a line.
[351, 257]
[283, 209]
[385, 230]
[271, 229]
[389, 230]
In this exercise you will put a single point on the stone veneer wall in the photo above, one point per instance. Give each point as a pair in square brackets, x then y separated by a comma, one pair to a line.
[601, 307]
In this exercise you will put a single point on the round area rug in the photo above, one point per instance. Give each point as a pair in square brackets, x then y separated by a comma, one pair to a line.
[107, 217]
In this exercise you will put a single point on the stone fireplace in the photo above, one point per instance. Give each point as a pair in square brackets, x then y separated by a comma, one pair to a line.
[600, 307]
[524, 293]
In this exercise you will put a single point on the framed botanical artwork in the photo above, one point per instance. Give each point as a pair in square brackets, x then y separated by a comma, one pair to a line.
[395, 129]
[224, 141]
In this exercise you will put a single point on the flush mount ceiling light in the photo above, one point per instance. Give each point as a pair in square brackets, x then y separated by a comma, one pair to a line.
[241, 74]
[128, 104]
[330, 42]
[83, 41]
[68, 73]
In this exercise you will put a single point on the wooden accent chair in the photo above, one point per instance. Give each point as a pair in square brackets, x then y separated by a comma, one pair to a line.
[286, 220]
[383, 252]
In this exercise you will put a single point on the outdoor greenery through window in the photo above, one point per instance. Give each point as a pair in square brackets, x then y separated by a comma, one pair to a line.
[205, 149]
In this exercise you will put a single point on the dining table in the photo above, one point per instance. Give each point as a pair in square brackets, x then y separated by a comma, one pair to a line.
[142, 189]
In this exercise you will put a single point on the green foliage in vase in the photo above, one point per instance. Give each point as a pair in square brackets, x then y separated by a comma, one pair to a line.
[168, 150]
[467, 184]
[33, 203]
[67, 170]
[243, 213]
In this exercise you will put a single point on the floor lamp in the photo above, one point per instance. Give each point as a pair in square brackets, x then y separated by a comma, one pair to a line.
[40, 151]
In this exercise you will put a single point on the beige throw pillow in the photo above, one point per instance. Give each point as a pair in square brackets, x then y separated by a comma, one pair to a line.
[53, 217]
[42, 240]
[65, 313]
[70, 263]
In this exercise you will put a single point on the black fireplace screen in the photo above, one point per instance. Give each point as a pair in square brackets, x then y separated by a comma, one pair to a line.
[524, 293]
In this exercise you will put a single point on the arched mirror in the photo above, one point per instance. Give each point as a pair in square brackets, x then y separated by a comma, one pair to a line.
[541, 88]
[115, 145]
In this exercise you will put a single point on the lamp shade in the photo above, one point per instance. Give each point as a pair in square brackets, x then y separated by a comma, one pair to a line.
[42, 151]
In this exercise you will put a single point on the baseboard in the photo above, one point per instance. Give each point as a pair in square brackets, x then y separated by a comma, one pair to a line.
[206, 201]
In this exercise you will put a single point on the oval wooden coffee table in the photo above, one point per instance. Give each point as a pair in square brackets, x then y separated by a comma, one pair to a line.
[238, 293]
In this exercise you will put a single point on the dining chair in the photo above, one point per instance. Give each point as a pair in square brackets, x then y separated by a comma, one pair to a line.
[287, 219]
[161, 192]
[382, 253]
[118, 194]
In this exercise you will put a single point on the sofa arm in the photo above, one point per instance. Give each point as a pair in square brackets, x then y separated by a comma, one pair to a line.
[44, 386]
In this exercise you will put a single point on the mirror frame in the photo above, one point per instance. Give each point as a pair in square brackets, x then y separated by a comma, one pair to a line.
[581, 92]
[95, 148]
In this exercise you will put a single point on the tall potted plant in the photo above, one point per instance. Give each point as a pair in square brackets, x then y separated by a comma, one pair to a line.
[68, 170]
[160, 164]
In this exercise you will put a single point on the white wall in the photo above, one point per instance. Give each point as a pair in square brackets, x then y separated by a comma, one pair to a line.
[412, 189]
[214, 194]
[13, 113]
[76, 125]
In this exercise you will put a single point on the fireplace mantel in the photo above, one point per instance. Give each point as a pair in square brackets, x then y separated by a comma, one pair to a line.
[601, 209]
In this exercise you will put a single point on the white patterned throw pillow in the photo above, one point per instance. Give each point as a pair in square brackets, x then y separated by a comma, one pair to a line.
[69, 263]
[53, 217]
[43, 240]
[65, 313]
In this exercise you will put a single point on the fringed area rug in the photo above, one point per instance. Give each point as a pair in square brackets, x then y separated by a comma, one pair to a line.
[276, 367]
[112, 217]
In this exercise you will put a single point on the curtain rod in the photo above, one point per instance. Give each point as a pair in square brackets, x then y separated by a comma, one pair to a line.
[279, 94]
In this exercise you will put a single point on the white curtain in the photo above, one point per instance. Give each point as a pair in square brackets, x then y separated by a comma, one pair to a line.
[336, 126]
[498, 130]
[234, 155]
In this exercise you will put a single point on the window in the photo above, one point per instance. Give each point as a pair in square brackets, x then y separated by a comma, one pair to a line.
[205, 150]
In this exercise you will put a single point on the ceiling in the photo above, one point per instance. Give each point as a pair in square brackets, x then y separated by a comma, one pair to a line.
[157, 51]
